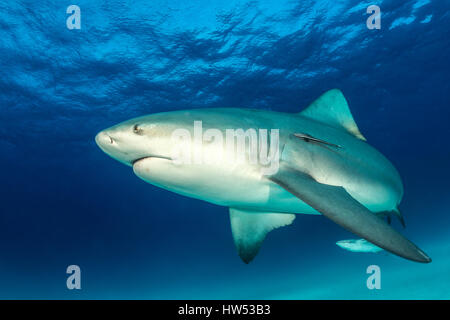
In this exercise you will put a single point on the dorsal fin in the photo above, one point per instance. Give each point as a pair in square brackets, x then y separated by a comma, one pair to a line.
[332, 108]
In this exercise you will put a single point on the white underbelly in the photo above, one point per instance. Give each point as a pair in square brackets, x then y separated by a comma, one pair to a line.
[237, 186]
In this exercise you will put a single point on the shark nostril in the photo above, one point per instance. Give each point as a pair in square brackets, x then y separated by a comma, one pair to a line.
[111, 140]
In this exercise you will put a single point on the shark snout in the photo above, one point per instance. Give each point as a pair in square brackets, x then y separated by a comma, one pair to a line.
[121, 145]
[111, 146]
[103, 139]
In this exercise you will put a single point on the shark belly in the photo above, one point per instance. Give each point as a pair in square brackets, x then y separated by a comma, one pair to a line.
[239, 186]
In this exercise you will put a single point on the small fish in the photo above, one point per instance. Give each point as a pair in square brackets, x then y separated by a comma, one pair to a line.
[358, 245]
[308, 138]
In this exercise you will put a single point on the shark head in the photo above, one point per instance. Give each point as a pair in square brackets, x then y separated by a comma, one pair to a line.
[137, 139]
[147, 144]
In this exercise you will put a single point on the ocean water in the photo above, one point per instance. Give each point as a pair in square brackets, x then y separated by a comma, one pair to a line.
[64, 202]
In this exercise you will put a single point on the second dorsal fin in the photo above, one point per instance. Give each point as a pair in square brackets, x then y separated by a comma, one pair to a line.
[332, 108]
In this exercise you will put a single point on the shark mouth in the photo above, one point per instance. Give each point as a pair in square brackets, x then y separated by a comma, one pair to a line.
[148, 157]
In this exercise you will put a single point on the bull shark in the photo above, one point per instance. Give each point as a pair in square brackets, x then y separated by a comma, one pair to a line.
[324, 166]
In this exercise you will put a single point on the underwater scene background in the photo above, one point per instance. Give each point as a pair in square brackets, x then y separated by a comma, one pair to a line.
[64, 202]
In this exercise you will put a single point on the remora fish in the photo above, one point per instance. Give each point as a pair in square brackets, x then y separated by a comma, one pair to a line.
[325, 167]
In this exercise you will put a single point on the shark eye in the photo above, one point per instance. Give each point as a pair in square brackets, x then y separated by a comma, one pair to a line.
[137, 129]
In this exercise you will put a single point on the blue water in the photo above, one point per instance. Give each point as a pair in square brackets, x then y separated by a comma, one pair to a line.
[64, 202]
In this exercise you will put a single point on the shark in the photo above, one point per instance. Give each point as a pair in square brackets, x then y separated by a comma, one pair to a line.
[324, 166]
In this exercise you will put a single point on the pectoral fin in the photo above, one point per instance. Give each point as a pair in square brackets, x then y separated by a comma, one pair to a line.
[250, 228]
[339, 206]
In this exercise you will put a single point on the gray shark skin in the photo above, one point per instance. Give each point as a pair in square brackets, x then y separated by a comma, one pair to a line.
[325, 167]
